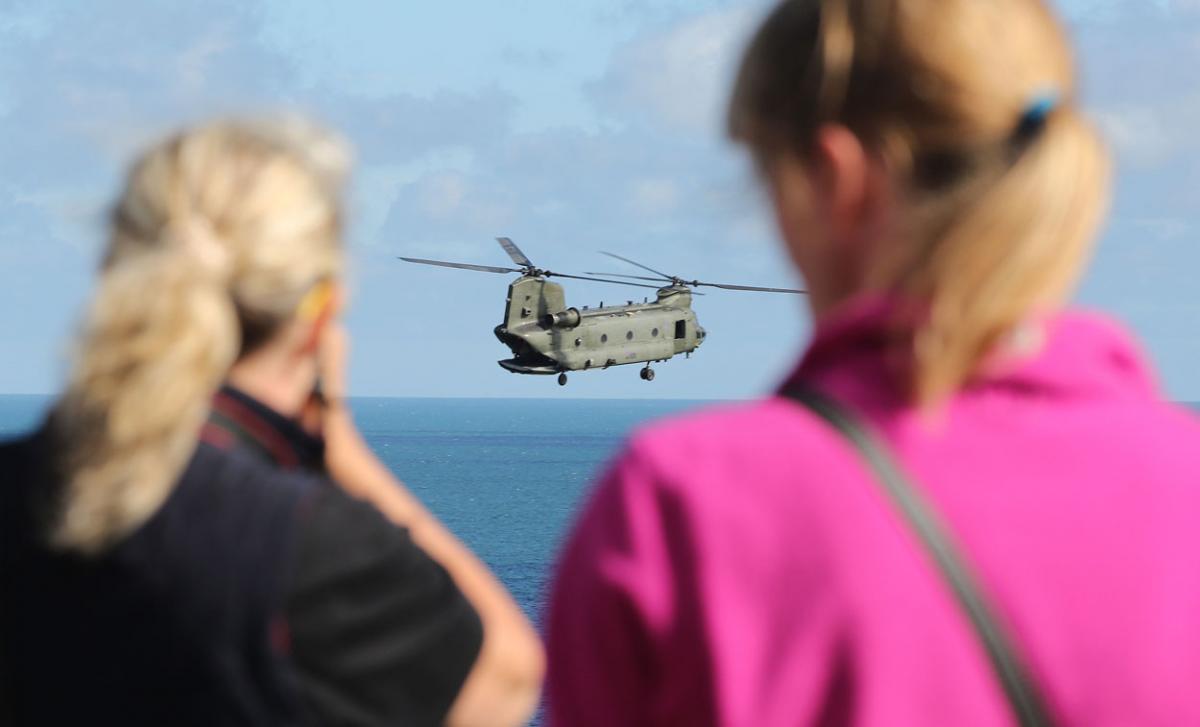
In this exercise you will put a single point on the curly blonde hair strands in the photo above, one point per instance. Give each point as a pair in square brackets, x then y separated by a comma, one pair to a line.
[998, 222]
[219, 234]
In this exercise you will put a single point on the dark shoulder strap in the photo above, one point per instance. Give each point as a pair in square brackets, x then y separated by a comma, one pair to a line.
[1021, 691]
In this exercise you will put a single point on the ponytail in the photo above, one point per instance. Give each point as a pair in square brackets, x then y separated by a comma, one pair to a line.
[159, 340]
[1007, 245]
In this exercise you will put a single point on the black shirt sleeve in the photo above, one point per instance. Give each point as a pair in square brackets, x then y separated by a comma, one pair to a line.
[380, 634]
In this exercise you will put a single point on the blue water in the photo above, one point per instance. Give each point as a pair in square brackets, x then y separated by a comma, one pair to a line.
[506, 475]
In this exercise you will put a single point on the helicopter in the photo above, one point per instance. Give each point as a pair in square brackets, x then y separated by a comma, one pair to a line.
[546, 337]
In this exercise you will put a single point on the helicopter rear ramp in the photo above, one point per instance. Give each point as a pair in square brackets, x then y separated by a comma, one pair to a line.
[517, 367]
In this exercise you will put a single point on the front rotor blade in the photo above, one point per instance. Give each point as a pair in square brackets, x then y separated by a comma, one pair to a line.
[750, 287]
[643, 267]
[600, 280]
[514, 252]
[622, 275]
[461, 266]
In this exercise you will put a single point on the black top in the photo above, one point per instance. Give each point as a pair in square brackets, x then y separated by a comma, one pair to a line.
[259, 594]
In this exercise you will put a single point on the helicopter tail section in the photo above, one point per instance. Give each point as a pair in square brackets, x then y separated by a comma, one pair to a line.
[530, 299]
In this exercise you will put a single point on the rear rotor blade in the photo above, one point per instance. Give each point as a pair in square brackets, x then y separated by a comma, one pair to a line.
[600, 280]
[750, 287]
[461, 266]
[514, 252]
[622, 275]
[637, 264]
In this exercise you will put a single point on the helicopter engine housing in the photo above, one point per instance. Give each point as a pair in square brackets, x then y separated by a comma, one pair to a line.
[568, 319]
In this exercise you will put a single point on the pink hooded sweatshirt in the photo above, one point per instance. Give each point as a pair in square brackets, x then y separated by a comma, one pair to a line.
[741, 567]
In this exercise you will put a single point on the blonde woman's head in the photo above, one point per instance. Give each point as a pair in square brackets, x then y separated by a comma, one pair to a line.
[220, 235]
[930, 151]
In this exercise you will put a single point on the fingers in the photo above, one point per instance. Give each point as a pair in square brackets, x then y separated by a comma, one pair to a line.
[332, 356]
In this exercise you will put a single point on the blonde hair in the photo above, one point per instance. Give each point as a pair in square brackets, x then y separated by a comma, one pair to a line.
[1003, 203]
[218, 236]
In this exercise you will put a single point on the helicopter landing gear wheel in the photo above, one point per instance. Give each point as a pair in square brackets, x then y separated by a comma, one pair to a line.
[647, 374]
[562, 379]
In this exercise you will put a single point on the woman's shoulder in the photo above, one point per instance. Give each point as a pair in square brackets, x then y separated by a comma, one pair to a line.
[752, 435]
[229, 525]
[715, 490]
[736, 423]
[758, 459]
[239, 486]
[303, 508]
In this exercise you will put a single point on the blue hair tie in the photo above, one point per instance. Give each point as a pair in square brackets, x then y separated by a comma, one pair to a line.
[1035, 114]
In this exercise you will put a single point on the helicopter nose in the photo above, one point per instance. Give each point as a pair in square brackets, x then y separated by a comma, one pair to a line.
[700, 335]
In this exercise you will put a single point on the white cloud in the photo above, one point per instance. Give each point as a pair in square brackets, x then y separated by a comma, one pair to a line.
[441, 195]
[657, 170]
[1138, 133]
[1165, 228]
[679, 76]
[85, 90]
[194, 63]
[1136, 85]
[441, 206]
[1183, 7]
[654, 197]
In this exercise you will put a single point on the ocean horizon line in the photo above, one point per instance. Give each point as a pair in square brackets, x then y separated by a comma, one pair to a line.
[372, 397]
[685, 399]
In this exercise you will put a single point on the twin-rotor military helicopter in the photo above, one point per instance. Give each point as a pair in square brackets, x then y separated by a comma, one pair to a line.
[546, 337]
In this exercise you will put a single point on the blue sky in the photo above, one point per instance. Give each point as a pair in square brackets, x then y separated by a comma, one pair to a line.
[571, 126]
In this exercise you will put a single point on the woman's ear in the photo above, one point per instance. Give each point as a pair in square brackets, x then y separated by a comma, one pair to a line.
[830, 188]
[321, 306]
[842, 182]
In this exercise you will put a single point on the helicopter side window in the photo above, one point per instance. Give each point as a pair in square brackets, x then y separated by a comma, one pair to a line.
[654, 333]
[629, 336]
[680, 329]
[604, 338]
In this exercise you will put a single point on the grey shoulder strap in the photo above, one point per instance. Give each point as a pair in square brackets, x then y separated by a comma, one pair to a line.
[1021, 691]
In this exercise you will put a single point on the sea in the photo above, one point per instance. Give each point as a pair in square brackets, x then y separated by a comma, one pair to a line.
[506, 475]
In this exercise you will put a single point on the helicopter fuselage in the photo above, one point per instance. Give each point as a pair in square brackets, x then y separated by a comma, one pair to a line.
[547, 337]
